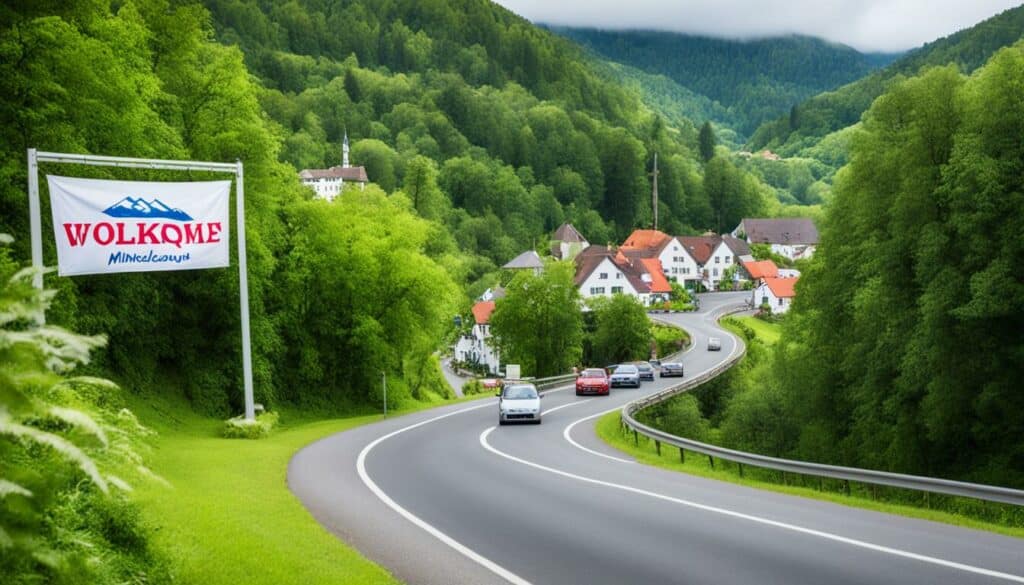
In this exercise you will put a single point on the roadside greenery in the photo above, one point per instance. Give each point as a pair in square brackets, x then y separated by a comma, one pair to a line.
[69, 454]
[620, 331]
[539, 324]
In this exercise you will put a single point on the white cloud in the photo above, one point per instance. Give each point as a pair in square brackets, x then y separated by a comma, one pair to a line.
[867, 25]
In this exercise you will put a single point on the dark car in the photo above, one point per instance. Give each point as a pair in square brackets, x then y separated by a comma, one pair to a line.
[646, 370]
[671, 369]
[593, 381]
[626, 375]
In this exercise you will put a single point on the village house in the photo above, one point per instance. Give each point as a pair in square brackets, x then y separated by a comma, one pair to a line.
[567, 242]
[329, 183]
[474, 348]
[528, 260]
[603, 272]
[775, 294]
[794, 238]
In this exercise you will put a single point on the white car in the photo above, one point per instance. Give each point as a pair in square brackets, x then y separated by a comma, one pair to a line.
[519, 402]
[714, 344]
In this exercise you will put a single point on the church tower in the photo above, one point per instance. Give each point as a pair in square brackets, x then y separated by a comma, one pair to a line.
[344, 152]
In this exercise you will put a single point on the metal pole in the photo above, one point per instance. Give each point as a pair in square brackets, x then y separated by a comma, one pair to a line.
[35, 221]
[243, 289]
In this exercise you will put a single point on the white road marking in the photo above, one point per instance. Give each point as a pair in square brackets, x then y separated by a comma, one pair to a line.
[433, 531]
[458, 546]
[757, 519]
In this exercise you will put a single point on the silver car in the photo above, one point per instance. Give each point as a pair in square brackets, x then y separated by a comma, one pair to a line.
[714, 344]
[625, 375]
[519, 402]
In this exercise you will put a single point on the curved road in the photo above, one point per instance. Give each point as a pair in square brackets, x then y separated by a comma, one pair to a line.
[445, 497]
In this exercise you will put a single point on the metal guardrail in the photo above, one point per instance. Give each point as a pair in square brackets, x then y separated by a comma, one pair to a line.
[552, 381]
[898, 480]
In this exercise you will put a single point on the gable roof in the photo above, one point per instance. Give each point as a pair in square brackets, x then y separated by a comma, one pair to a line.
[482, 312]
[567, 233]
[783, 288]
[646, 240]
[658, 284]
[761, 269]
[528, 259]
[357, 174]
[738, 246]
[588, 261]
[786, 231]
[700, 248]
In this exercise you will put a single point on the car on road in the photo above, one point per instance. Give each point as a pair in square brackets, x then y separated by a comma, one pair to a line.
[714, 344]
[646, 370]
[626, 375]
[593, 381]
[519, 402]
[671, 369]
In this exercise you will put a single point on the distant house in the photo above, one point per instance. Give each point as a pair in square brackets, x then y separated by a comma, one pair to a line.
[602, 272]
[528, 260]
[776, 293]
[567, 242]
[328, 183]
[474, 348]
[794, 238]
[758, 270]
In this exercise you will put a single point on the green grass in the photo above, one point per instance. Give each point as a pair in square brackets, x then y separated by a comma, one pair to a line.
[610, 431]
[228, 516]
[766, 332]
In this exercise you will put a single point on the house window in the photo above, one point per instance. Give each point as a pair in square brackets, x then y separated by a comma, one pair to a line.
[780, 302]
[686, 270]
[618, 275]
[597, 290]
[714, 272]
[718, 259]
[603, 276]
[675, 248]
[728, 259]
[764, 300]
[616, 290]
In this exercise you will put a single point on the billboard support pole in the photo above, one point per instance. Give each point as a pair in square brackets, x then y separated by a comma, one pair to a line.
[35, 221]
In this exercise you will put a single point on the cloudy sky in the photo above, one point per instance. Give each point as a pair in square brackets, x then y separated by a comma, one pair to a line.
[867, 25]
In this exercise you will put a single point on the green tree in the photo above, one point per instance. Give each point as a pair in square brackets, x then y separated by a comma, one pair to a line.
[539, 324]
[381, 161]
[622, 330]
[707, 141]
[421, 187]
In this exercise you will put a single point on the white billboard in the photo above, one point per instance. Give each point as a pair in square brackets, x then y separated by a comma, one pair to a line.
[104, 226]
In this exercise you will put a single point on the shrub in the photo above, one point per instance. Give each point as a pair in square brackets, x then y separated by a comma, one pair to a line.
[241, 428]
[472, 387]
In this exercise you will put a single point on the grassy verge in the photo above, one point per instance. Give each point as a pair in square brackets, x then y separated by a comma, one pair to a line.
[766, 332]
[611, 432]
[228, 516]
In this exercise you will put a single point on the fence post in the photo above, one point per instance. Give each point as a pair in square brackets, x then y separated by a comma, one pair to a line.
[741, 469]
[846, 486]
[711, 460]
[657, 447]
[636, 438]
[682, 455]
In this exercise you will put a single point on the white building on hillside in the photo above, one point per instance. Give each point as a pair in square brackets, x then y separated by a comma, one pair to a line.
[775, 293]
[794, 238]
[329, 183]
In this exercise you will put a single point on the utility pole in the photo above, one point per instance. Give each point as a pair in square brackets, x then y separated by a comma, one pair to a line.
[654, 192]
[384, 382]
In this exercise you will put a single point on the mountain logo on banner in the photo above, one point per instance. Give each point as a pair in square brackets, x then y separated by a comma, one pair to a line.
[140, 208]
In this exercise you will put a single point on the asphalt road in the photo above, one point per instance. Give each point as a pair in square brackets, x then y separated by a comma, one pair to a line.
[447, 497]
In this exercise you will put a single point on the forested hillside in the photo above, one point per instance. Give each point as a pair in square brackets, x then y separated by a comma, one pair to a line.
[482, 132]
[814, 119]
[902, 350]
[754, 80]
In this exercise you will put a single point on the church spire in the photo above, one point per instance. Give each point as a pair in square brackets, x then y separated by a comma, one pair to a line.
[654, 191]
[344, 151]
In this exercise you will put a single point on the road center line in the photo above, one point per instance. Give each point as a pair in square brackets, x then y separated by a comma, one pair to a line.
[757, 519]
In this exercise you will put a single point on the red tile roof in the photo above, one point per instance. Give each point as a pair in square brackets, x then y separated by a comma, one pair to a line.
[762, 269]
[646, 239]
[700, 248]
[482, 311]
[783, 288]
[659, 284]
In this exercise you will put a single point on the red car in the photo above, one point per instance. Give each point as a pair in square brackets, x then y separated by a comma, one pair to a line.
[592, 381]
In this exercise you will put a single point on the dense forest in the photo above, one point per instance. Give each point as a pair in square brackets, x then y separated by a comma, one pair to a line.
[750, 81]
[813, 120]
[902, 351]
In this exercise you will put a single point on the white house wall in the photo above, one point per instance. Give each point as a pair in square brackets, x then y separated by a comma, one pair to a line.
[677, 263]
[615, 278]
